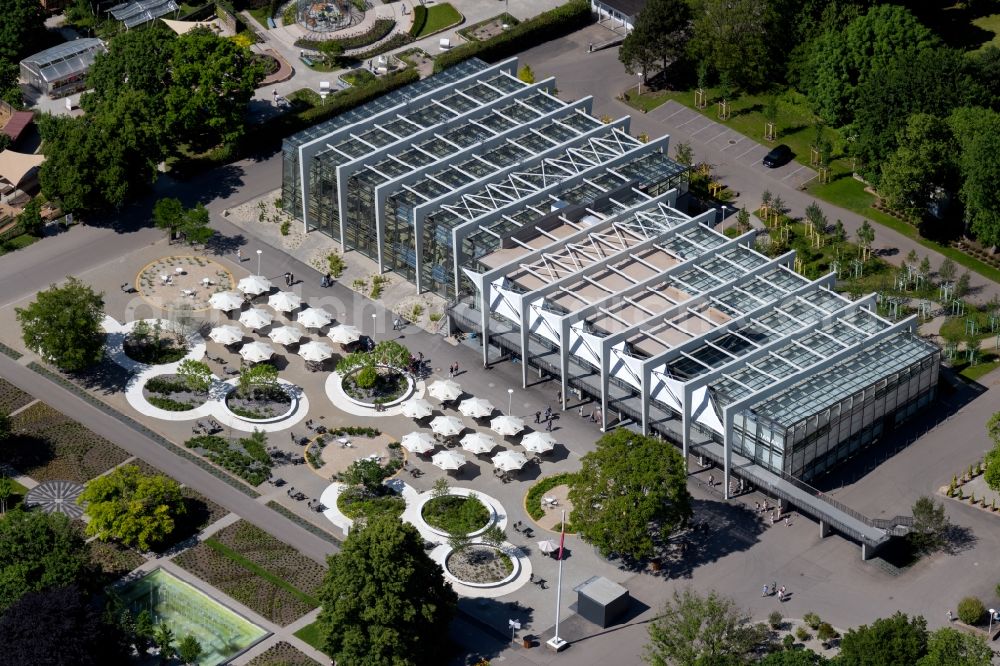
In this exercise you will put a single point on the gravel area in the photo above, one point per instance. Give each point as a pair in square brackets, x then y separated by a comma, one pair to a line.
[479, 564]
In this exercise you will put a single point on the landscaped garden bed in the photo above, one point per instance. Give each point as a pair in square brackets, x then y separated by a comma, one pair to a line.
[171, 393]
[375, 384]
[247, 458]
[150, 344]
[479, 564]
[268, 576]
[12, 398]
[356, 503]
[48, 446]
[113, 560]
[262, 402]
[533, 501]
[456, 514]
[282, 654]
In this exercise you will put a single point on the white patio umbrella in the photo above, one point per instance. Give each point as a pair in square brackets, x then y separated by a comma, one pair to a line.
[255, 318]
[254, 285]
[225, 300]
[417, 408]
[286, 335]
[444, 389]
[478, 442]
[344, 334]
[418, 442]
[476, 407]
[447, 425]
[314, 352]
[284, 301]
[255, 352]
[507, 425]
[226, 335]
[538, 442]
[314, 318]
[548, 546]
[508, 461]
[448, 460]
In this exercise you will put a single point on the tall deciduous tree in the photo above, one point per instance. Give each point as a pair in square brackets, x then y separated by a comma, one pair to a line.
[131, 507]
[893, 641]
[38, 550]
[195, 374]
[930, 524]
[630, 488]
[194, 225]
[924, 161]
[212, 81]
[168, 214]
[693, 630]
[948, 647]
[136, 60]
[384, 600]
[978, 135]
[59, 625]
[735, 37]
[843, 59]
[660, 36]
[22, 30]
[63, 325]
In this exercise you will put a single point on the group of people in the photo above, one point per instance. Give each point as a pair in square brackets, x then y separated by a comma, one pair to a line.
[289, 279]
[774, 590]
[549, 417]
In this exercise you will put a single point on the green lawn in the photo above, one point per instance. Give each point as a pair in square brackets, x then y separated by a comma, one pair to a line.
[261, 14]
[990, 23]
[979, 370]
[310, 634]
[439, 17]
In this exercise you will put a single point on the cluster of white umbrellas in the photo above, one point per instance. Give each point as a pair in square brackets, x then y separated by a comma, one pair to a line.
[417, 408]
[286, 335]
[478, 443]
[256, 318]
[507, 425]
[255, 352]
[284, 301]
[225, 301]
[444, 389]
[418, 442]
[254, 285]
[314, 318]
[344, 334]
[476, 407]
[315, 352]
[226, 335]
[447, 426]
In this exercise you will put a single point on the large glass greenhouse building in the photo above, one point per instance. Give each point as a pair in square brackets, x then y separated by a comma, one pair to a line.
[559, 240]
[62, 69]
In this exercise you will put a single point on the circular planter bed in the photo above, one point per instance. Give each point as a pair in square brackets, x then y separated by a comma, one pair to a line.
[480, 565]
[356, 503]
[268, 403]
[456, 514]
[170, 393]
[167, 349]
[391, 385]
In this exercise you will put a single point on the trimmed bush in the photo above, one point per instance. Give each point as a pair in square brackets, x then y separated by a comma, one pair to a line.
[826, 632]
[971, 610]
[812, 620]
[169, 404]
[379, 30]
[545, 27]
[419, 20]
[802, 634]
[775, 620]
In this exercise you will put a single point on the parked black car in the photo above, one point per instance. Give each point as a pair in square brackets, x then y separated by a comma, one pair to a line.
[780, 155]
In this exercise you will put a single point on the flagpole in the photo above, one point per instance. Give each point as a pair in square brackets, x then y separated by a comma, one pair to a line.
[557, 643]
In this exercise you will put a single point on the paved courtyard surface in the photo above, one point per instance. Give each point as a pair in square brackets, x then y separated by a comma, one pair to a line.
[736, 555]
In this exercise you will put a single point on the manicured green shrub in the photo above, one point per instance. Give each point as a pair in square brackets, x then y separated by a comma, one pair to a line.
[775, 620]
[546, 26]
[826, 632]
[812, 620]
[802, 634]
[971, 610]
[169, 404]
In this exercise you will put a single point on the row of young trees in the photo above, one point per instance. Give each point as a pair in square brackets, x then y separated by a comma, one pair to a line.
[921, 116]
[155, 94]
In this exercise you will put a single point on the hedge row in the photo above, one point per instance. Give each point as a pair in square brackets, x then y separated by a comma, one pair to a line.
[419, 20]
[545, 27]
[379, 30]
[394, 42]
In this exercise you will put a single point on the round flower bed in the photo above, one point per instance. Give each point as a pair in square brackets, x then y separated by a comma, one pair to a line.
[264, 403]
[376, 385]
[480, 565]
[358, 503]
[154, 351]
[170, 393]
[456, 514]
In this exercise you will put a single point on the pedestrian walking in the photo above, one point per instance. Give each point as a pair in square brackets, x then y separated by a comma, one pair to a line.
[548, 425]
[395, 324]
[772, 518]
[788, 521]
[538, 417]
[239, 255]
[291, 279]
[763, 592]
[756, 507]
[420, 355]
[711, 481]
[774, 587]
[580, 411]
[781, 593]
[456, 367]
[451, 370]
[951, 617]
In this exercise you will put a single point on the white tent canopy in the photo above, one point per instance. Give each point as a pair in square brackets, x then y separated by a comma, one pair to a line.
[476, 407]
[538, 442]
[418, 442]
[255, 352]
[344, 334]
[255, 318]
[226, 335]
[284, 301]
[417, 408]
[508, 461]
[254, 285]
[507, 425]
[444, 389]
[14, 167]
[286, 335]
[478, 442]
[225, 300]
[314, 318]
[448, 460]
[314, 352]
[447, 425]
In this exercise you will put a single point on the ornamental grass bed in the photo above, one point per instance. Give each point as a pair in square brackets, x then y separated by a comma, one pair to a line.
[282, 654]
[12, 398]
[48, 446]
